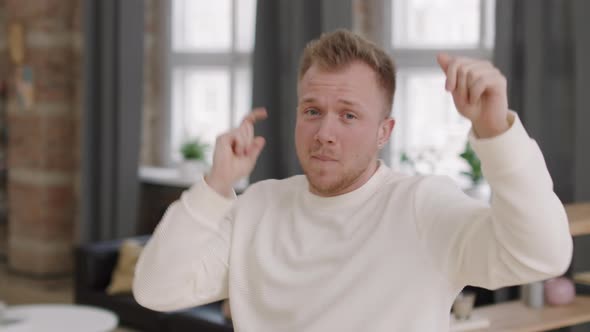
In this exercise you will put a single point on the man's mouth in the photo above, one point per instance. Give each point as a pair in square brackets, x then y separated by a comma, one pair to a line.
[322, 157]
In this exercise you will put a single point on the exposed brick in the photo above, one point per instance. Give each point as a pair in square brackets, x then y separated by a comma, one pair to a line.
[35, 10]
[53, 74]
[41, 142]
[3, 62]
[59, 142]
[152, 110]
[77, 20]
[42, 213]
[24, 143]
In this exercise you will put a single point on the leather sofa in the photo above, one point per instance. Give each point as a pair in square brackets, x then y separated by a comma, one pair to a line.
[94, 264]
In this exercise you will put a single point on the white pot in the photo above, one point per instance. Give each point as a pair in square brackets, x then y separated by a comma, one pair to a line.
[480, 191]
[192, 169]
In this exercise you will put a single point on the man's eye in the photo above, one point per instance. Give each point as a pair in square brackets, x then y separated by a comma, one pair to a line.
[312, 112]
[349, 116]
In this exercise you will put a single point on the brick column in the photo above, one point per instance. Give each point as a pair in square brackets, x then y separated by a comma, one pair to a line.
[3, 81]
[153, 110]
[43, 138]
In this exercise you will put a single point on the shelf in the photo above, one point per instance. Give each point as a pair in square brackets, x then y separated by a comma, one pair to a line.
[514, 316]
[579, 217]
[171, 176]
[582, 278]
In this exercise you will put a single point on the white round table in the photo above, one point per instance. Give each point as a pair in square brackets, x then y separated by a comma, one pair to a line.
[57, 318]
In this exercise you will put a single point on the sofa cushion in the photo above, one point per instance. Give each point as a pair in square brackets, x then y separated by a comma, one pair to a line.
[122, 277]
[95, 263]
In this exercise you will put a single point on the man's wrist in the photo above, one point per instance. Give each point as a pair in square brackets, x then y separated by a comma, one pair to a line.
[220, 186]
[491, 129]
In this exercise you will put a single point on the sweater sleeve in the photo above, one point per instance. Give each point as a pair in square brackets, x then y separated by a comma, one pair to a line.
[520, 237]
[185, 262]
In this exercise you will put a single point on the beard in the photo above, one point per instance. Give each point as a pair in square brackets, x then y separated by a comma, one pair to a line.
[331, 182]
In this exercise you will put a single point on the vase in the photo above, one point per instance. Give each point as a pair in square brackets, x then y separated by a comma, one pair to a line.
[479, 191]
[532, 294]
[559, 291]
[192, 169]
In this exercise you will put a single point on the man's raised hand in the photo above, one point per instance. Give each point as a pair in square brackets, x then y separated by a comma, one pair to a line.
[235, 154]
[479, 92]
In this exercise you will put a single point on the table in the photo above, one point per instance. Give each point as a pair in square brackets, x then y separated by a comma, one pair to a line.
[58, 318]
[579, 218]
[514, 316]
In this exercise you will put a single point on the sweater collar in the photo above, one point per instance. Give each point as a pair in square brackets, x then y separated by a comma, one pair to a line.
[345, 200]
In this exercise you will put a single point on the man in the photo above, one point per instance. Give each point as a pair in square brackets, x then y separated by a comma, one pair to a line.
[353, 245]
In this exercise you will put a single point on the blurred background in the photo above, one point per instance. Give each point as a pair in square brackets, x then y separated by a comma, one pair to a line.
[109, 109]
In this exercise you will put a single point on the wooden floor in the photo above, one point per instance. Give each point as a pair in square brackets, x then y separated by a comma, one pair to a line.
[15, 289]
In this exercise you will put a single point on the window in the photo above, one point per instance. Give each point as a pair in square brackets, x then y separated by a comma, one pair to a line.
[209, 72]
[429, 130]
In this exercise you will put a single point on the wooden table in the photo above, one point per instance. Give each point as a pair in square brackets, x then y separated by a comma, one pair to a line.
[514, 316]
[579, 217]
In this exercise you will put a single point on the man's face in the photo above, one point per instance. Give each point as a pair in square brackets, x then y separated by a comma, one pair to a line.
[340, 127]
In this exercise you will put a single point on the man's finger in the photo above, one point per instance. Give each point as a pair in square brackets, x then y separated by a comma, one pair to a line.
[477, 89]
[489, 81]
[453, 67]
[443, 60]
[257, 114]
[461, 89]
[236, 143]
[484, 81]
[256, 147]
[247, 135]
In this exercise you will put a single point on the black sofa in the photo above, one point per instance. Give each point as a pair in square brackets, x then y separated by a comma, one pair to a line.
[94, 264]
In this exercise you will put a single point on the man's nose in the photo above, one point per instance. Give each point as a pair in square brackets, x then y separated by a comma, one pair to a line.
[326, 130]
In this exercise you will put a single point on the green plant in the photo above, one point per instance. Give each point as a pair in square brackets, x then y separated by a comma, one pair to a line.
[474, 174]
[404, 158]
[194, 149]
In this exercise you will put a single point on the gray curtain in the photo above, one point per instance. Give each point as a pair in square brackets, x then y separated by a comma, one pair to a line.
[111, 118]
[543, 48]
[283, 27]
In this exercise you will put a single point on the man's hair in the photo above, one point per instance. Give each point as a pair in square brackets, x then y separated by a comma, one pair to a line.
[338, 49]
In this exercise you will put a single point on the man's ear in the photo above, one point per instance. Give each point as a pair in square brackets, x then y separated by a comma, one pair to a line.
[385, 129]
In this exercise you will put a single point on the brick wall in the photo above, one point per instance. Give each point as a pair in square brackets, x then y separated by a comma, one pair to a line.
[43, 140]
[151, 137]
[3, 42]
[3, 79]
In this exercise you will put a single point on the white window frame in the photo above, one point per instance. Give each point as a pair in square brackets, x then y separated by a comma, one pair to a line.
[407, 58]
[172, 60]
[424, 58]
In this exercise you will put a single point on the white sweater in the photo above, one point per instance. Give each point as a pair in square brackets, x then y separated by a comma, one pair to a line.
[389, 256]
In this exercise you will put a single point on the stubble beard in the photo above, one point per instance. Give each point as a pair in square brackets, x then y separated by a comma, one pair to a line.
[332, 188]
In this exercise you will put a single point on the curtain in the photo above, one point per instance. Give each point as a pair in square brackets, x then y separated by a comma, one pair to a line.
[543, 49]
[283, 28]
[111, 118]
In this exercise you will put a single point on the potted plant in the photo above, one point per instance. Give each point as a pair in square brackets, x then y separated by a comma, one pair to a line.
[474, 173]
[478, 187]
[193, 158]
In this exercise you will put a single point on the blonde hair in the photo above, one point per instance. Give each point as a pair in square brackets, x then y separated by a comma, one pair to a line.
[335, 50]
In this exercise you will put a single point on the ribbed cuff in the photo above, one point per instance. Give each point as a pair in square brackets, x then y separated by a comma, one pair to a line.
[505, 151]
[204, 201]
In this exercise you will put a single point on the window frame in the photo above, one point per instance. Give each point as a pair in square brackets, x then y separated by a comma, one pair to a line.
[423, 59]
[409, 58]
[231, 60]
